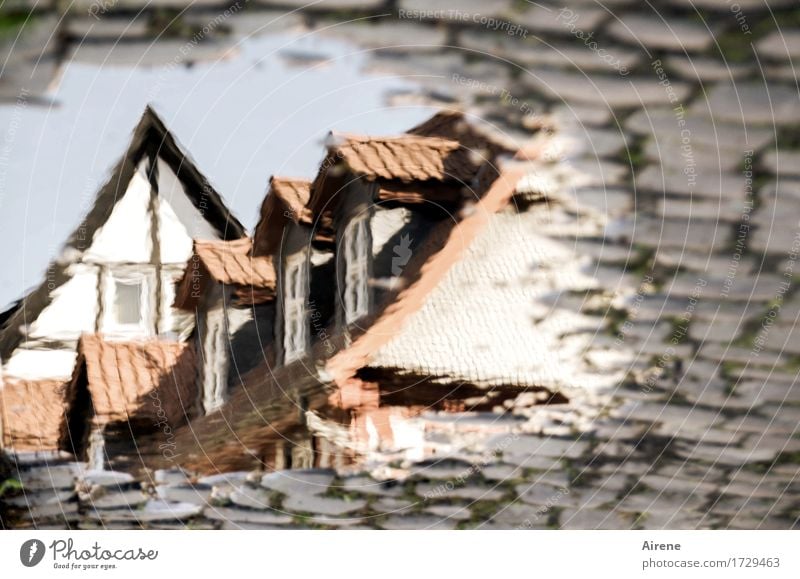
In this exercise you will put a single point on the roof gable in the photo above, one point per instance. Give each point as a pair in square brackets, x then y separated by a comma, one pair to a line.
[149, 138]
[405, 158]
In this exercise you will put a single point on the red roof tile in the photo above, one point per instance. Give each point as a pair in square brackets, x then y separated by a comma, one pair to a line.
[231, 263]
[32, 413]
[146, 380]
[294, 194]
[474, 136]
[407, 158]
[288, 200]
[226, 262]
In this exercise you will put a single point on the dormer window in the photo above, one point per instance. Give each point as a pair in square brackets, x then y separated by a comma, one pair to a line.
[126, 303]
[295, 328]
[356, 279]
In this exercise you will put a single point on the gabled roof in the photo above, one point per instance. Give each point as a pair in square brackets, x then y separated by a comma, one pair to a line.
[294, 195]
[263, 409]
[138, 380]
[287, 200]
[407, 157]
[446, 245]
[32, 413]
[404, 158]
[149, 136]
[230, 263]
[455, 125]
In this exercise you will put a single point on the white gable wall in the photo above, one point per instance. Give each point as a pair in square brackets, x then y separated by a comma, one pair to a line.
[73, 309]
[121, 249]
[179, 221]
[125, 237]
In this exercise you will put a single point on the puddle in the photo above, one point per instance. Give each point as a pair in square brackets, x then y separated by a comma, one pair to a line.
[263, 108]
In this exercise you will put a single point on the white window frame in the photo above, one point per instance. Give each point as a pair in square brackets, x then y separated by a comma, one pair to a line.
[294, 293]
[110, 324]
[356, 268]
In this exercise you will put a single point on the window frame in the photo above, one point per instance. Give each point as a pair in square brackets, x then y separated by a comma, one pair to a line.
[356, 246]
[111, 323]
[294, 297]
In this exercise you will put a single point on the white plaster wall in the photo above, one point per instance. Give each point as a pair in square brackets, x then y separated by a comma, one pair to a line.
[125, 236]
[73, 309]
[40, 364]
[385, 223]
[179, 220]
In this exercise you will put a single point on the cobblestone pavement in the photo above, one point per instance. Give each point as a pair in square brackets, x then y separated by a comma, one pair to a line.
[668, 146]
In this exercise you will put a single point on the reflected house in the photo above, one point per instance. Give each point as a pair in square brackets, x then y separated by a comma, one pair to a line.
[398, 291]
[392, 285]
[230, 293]
[88, 346]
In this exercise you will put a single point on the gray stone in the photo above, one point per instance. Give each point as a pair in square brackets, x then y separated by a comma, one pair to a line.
[696, 68]
[170, 476]
[389, 505]
[253, 22]
[299, 482]
[660, 179]
[67, 511]
[262, 517]
[253, 498]
[783, 44]
[401, 37]
[550, 447]
[782, 162]
[108, 28]
[750, 102]
[228, 479]
[27, 459]
[185, 493]
[146, 53]
[108, 499]
[727, 455]
[58, 476]
[106, 478]
[417, 522]
[368, 486]
[544, 494]
[614, 92]
[154, 510]
[747, 6]
[324, 5]
[567, 21]
[446, 10]
[321, 505]
[501, 472]
[593, 519]
[580, 114]
[342, 522]
[662, 124]
[453, 512]
[42, 497]
[445, 470]
[518, 516]
[657, 33]
[573, 57]
[449, 491]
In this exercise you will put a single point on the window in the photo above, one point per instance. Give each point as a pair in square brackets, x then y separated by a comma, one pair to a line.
[356, 282]
[295, 328]
[128, 302]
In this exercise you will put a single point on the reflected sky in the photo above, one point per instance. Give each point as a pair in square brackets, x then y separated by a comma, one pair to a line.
[264, 109]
